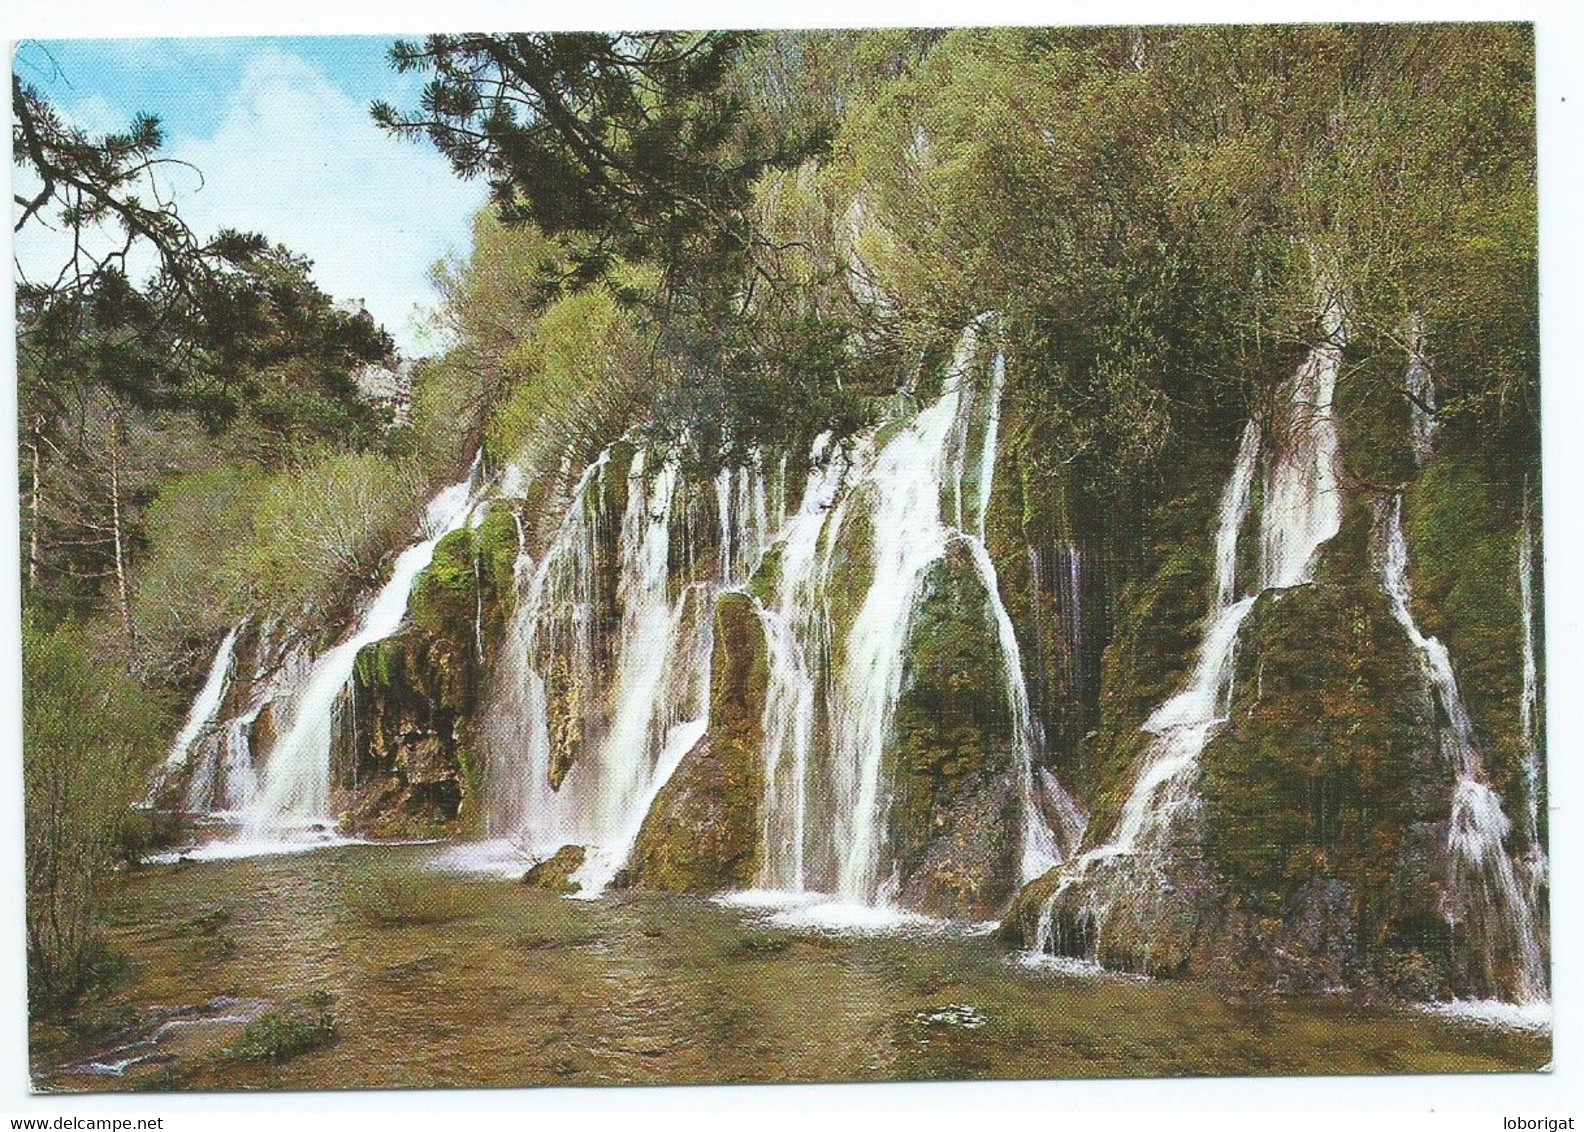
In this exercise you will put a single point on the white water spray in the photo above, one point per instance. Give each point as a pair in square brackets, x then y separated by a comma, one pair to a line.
[1490, 912]
[200, 717]
[1300, 511]
[294, 796]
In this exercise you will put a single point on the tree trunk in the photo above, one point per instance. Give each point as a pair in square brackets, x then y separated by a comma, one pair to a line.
[123, 599]
[35, 494]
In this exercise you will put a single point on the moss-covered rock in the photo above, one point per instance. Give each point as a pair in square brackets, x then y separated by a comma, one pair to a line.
[1312, 859]
[703, 833]
[952, 763]
[471, 579]
[1325, 801]
[408, 759]
[1019, 928]
[1327, 764]
[1155, 640]
[555, 872]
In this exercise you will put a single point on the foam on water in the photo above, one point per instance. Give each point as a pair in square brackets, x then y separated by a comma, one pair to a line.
[1494, 1012]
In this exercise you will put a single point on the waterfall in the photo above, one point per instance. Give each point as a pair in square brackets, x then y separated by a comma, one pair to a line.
[294, 795]
[1065, 575]
[1529, 702]
[1485, 898]
[827, 725]
[1300, 510]
[797, 633]
[582, 733]
[1166, 785]
[1041, 851]
[235, 788]
[904, 487]
[743, 507]
[989, 446]
[639, 737]
[200, 717]
[1420, 383]
[238, 786]
[557, 594]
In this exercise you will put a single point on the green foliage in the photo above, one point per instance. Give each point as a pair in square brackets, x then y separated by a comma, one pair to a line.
[582, 376]
[323, 527]
[194, 581]
[223, 324]
[90, 737]
[632, 142]
[125, 382]
[1463, 530]
[489, 302]
[297, 1028]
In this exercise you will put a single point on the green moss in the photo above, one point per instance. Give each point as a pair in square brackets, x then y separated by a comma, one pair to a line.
[1327, 771]
[470, 578]
[555, 873]
[1463, 530]
[766, 581]
[496, 544]
[1153, 645]
[852, 570]
[951, 753]
[1029, 508]
[298, 1028]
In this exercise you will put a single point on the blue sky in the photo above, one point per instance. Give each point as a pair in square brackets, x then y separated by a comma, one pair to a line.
[279, 128]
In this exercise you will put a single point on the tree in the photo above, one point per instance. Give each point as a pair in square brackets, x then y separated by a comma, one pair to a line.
[144, 332]
[634, 144]
[90, 735]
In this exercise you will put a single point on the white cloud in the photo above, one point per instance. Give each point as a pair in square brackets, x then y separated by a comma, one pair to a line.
[298, 160]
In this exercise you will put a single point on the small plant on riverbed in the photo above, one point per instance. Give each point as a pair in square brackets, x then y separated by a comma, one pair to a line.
[395, 900]
[296, 1028]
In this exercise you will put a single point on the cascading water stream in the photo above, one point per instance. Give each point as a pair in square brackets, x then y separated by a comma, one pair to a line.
[796, 632]
[517, 727]
[904, 486]
[1485, 896]
[1300, 511]
[898, 491]
[294, 796]
[628, 714]
[1528, 706]
[236, 785]
[200, 717]
[1183, 724]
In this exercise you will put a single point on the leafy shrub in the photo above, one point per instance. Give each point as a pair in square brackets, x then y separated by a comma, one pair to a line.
[326, 525]
[90, 733]
[192, 584]
[299, 1027]
[397, 900]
